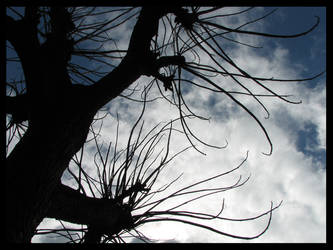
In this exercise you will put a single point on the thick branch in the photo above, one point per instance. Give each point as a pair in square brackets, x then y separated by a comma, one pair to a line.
[19, 33]
[170, 60]
[18, 107]
[72, 206]
[155, 64]
[152, 64]
[22, 34]
[137, 59]
[144, 30]
[44, 66]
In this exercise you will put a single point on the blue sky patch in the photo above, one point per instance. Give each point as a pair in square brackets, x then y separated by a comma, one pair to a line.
[308, 143]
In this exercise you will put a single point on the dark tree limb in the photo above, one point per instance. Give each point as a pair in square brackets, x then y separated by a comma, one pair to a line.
[120, 78]
[17, 106]
[104, 215]
[20, 35]
[138, 58]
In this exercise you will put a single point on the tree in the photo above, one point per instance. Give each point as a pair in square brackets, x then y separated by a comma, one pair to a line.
[54, 111]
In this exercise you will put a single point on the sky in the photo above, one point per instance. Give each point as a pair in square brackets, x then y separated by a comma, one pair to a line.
[295, 173]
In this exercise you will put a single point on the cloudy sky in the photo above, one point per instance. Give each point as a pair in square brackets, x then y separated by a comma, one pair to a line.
[295, 173]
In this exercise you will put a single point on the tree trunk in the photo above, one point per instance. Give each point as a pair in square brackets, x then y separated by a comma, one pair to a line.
[36, 164]
[59, 116]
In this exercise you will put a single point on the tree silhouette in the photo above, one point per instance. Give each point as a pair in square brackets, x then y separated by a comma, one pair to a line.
[52, 110]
